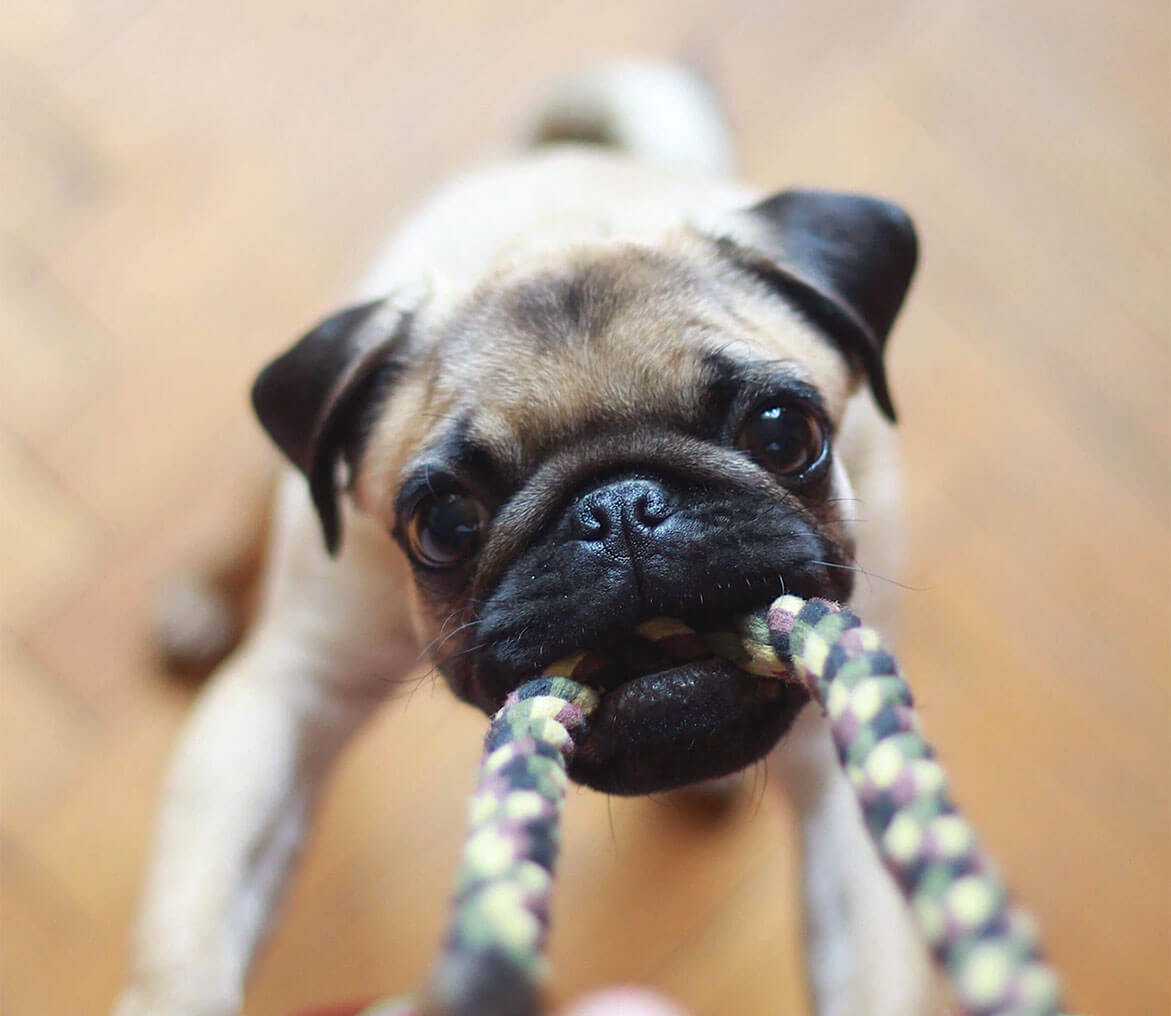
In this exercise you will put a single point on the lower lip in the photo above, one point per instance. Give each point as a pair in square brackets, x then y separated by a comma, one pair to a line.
[697, 721]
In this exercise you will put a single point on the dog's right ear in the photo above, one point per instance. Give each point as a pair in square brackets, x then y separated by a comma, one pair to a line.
[313, 400]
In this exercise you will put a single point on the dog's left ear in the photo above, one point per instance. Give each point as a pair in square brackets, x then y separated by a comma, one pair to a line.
[846, 261]
[314, 399]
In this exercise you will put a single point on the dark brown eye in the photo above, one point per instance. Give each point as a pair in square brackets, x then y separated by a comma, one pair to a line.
[446, 529]
[789, 442]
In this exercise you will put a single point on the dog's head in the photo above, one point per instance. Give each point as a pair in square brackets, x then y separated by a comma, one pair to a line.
[616, 433]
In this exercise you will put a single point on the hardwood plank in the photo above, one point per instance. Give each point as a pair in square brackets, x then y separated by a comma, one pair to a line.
[61, 350]
[46, 537]
[46, 736]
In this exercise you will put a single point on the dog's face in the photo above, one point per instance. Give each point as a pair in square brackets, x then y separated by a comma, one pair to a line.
[612, 435]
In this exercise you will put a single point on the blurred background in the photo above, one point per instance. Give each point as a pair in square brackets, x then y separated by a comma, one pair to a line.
[185, 186]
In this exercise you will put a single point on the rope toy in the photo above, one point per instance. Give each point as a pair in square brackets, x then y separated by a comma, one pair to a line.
[493, 960]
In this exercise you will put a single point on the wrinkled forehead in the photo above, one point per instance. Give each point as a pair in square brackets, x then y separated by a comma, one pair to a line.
[612, 340]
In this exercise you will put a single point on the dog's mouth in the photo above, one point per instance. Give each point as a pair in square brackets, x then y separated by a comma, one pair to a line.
[650, 649]
[671, 713]
[667, 715]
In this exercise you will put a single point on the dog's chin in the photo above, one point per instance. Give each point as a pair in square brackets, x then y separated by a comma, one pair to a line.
[682, 724]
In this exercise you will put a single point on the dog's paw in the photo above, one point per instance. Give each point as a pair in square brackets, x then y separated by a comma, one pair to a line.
[134, 1002]
[194, 624]
[138, 1000]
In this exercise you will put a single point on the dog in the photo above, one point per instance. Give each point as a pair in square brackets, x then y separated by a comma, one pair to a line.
[592, 385]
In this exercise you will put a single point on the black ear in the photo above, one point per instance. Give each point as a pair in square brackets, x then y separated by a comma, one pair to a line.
[313, 400]
[847, 261]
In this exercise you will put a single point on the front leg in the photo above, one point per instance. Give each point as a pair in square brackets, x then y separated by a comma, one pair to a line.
[864, 956]
[332, 638]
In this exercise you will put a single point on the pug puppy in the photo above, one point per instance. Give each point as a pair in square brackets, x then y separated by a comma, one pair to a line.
[593, 385]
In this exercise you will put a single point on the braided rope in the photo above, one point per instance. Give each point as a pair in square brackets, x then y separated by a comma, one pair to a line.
[987, 945]
[493, 960]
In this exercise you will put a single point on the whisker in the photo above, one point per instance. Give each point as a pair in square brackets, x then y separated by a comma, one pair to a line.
[441, 637]
[763, 783]
[872, 575]
[455, 631]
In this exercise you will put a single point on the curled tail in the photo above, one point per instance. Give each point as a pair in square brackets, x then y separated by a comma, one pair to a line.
[660, 113]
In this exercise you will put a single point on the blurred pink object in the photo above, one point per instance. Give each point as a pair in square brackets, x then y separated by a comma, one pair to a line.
[623, 1002]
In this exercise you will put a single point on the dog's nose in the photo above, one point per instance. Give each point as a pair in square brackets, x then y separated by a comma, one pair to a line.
[633, 505]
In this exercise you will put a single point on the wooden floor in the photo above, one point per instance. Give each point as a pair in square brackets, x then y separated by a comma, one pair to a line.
[184, 186]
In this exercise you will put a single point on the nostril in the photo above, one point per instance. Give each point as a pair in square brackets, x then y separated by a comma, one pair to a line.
[651, 508]
[593, 521]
